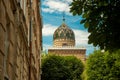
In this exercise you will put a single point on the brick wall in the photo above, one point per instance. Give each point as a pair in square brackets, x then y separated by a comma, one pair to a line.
[15, 54]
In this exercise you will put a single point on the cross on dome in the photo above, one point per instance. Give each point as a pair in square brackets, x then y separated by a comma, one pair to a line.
[63, 16]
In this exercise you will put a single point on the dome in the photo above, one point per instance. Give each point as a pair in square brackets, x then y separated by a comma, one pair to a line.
[64, 32]
[63, 36]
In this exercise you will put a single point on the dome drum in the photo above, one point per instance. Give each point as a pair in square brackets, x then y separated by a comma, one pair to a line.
[64, 43]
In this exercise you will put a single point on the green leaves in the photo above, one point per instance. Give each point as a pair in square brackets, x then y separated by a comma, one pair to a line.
[86, 25]
[61, 68]
[82, 21]
[103, 66]
[100, 16]
[74, 9]
[85, 15]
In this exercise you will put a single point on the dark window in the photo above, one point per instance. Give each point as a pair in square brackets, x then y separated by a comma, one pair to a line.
[64, 44]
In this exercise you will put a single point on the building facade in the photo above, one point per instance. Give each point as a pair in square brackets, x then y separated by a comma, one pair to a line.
[77, 52]
[64, 43]
[20, 39]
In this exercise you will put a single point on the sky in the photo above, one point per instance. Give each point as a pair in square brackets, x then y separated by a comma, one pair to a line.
[52, 17]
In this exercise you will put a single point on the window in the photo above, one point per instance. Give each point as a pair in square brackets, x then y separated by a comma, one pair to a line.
[64, 44]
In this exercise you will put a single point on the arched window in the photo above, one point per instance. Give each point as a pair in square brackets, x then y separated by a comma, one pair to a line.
[64, 44]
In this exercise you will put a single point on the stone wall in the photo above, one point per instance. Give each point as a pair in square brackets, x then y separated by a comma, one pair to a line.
[17, 60]
[79, 53]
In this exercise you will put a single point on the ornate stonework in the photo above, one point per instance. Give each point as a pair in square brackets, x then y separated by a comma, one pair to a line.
[64, 36]
[64, 43]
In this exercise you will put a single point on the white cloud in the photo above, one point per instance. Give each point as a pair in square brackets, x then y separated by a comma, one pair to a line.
[47, 10]
[81, 37]
[48, 29]
[56, 6]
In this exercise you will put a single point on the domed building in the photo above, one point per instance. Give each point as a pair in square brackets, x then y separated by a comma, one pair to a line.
[64, 37]
[64, 43]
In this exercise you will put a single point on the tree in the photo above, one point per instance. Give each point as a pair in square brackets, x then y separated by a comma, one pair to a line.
[95, 66]
[75, 66]
[103, 66]
[52, 68]
[101, 18]
[61, 68]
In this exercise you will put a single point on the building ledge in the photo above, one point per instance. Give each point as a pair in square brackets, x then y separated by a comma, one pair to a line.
[73, 48]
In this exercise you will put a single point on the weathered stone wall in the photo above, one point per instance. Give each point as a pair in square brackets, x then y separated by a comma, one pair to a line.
[79, 53]
[15, 50]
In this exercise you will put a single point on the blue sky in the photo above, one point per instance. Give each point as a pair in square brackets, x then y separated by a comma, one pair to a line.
[52, 15]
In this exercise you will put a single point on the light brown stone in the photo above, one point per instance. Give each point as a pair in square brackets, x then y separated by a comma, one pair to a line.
[2, 39]
[2, 15]
[12, 34]
[11, 54]
[14, 28]
[1, 66]
[8, 9]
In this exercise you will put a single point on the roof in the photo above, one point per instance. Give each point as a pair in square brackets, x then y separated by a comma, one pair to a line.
[63, 32]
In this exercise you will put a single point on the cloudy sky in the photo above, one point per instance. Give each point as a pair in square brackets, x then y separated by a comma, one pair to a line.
[52, 13]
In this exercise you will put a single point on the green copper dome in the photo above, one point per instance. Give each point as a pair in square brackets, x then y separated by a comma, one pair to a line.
[64, 32]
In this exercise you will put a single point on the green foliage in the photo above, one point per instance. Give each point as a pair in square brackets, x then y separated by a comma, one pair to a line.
[101, 18]
[103, 66]
[61, 68]
[50, 66]
[44, 55]
[84, 75]
[95, 66]
[75, 66]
